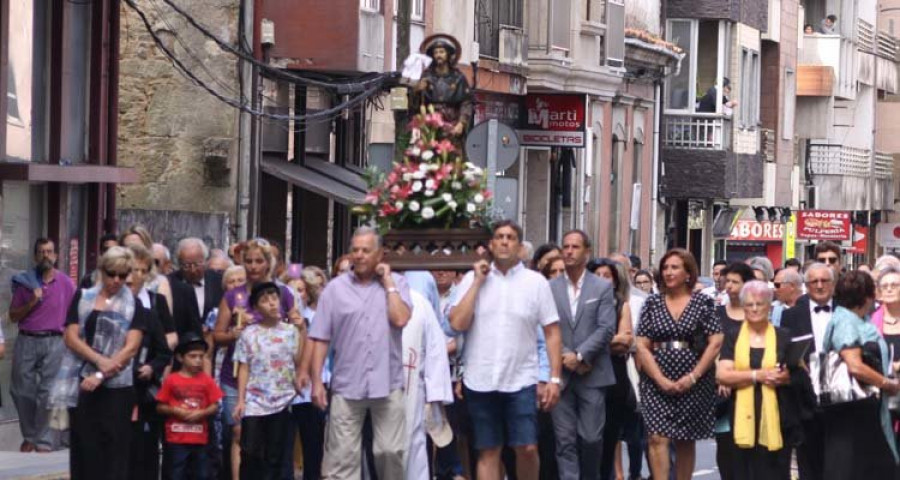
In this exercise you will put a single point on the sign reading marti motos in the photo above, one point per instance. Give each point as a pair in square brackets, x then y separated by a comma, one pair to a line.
[554, 121]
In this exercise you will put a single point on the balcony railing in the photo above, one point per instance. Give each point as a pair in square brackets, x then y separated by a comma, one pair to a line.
[825, 159]
[697, 131]
[836, 52]
[884, 166]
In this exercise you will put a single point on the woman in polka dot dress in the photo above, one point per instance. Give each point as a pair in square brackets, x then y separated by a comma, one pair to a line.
[677, 379]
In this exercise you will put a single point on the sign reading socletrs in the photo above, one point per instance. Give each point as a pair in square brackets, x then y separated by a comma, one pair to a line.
[554, 121]
[823, 225]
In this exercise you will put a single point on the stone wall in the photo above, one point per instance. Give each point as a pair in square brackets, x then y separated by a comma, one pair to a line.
[182, 139]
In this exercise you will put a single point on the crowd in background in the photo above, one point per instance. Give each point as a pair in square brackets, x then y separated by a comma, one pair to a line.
[546, 362]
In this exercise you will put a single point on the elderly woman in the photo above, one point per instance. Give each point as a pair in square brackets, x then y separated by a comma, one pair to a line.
[104, 329]
[149, 365]
[859, 440]
[235, 313]
[157, 283]
[751, 365]
[678, 339]
[731, 316]
[887, 321]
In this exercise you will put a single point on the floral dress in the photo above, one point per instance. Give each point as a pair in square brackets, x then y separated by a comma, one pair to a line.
[687, 416]
[269, 352]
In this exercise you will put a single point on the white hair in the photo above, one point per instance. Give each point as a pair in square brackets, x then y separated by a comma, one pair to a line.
[886, 261]
[790, 276]
[367, 230]
[164, 249]
[763, 264]
[817, 266]
[191, 242]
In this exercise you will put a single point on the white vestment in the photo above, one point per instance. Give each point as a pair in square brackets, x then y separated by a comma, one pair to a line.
[427, 371]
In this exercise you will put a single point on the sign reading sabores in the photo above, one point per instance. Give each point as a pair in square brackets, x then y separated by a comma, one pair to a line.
[823, 225]
[553, 121]
[753, 231]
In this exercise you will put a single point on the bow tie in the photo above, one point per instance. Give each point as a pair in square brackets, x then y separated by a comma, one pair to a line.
[822, 308]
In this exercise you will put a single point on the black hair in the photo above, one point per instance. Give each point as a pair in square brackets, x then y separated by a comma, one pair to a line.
[853, 289]
[585, 239]
[541, 251]
[740, 269]
[261, 289]
[719, 262]
[40, 242]
[793, 262]
[832, 17]
[635, 261]
[511, 224]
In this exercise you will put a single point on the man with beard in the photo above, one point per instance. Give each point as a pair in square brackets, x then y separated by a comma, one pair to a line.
[41, 298]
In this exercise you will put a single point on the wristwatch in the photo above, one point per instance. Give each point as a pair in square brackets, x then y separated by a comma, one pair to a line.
[99, 375]
[392, 290]
[555, 380]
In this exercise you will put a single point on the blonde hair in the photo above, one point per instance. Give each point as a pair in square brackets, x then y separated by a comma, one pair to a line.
[315, 279]
[140, 231]
[230, 272]
[266, 251]
[141, 254]
[116, 259]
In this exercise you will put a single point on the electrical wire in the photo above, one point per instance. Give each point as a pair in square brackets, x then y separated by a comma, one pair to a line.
[320, 115]
[342, 87]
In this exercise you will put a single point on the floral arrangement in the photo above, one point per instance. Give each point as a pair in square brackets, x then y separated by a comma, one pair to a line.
[432, 186]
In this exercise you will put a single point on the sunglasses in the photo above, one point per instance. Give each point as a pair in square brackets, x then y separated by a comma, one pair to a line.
[120, 275]
[828, 260]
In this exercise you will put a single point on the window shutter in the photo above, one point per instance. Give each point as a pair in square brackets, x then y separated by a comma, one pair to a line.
[615, 33]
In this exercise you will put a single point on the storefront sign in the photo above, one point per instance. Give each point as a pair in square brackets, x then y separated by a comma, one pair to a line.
[553, 121]
[790, 238]
[753, 231]
[889, 235]
[860, 240]
[823, 225]
[494, 106]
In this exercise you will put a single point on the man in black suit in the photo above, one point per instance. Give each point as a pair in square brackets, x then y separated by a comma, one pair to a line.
[809, 319]
[191, 255]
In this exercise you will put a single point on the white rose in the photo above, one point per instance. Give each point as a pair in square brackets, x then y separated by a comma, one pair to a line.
[418, 175]
[447, 197]
[456, 186]
[479, 198]
[433, 166]
[423, 167]
[399, 205]
[429, 184]
[427, 155]
[415, 152]
[427, 213]
[452, 204]
[414, 206]
[429, 193]
[407, 177]
[417, 186]
[470, 207]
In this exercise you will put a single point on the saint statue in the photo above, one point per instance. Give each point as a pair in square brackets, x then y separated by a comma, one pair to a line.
[443, 85]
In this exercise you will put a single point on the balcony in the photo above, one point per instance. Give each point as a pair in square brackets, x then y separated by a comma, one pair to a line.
[842, 177]
[827, 61]
[697, 131]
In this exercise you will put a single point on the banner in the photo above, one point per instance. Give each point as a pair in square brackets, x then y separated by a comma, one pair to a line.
[753, 231]
[554, 121]
[889, 235]
[823, 225]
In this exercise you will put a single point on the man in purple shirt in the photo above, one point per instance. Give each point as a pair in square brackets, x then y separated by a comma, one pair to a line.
[40, 301]
[362, 314]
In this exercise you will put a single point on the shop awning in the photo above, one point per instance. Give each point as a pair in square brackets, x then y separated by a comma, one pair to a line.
[349, 192]
[84, 173]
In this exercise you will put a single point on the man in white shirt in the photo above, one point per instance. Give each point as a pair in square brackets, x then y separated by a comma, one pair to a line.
[717, 291]
[808, 319]
[500, 306]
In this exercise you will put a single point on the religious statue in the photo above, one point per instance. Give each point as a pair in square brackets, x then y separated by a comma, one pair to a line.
[443, 85]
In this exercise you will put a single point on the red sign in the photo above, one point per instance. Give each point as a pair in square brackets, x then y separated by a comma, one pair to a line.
[753, 231]
[823, 225]
[554, 121]
[860, 240]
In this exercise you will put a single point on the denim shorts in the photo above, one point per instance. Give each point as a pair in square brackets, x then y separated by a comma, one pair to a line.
[229, 401]
[500, 418]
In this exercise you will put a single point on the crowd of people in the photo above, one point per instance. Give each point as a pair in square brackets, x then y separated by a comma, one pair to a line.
[533, 364]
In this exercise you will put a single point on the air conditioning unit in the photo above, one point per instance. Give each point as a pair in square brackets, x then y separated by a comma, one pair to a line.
[512, 46]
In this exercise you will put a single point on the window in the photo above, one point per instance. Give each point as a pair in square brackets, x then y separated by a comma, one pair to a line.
[12, 100]
[418, 10]
[790, 105]
[371, 5]
[593, 10]
[490, 15]
[680, 94]
[748, 107]
[615, 194]
[638, 151]
[350, 139]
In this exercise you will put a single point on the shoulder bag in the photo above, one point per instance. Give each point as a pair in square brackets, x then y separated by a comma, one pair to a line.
[831, 380]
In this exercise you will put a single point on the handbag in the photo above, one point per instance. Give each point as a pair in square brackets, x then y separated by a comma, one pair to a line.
[831, 380]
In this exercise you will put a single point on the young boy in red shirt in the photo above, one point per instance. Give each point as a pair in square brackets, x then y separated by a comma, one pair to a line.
[187, 399]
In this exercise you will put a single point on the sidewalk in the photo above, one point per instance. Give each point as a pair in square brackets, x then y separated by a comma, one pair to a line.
[34, 466]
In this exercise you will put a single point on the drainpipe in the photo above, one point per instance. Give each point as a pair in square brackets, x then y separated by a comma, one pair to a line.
[657, 116]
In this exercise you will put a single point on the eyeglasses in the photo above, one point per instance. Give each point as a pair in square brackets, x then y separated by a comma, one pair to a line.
[819, 281]
[120, 275]
[889, 286]
[190, 265]
[643, 282]
[828, 260]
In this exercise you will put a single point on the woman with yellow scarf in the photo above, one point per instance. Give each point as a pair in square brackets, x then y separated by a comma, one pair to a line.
[751, 364]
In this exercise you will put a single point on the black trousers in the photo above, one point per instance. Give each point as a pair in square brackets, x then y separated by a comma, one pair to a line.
[811, 453]
[725, 454]
[310, 423]
[100, 445]
[146, 434]
[262, 445]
